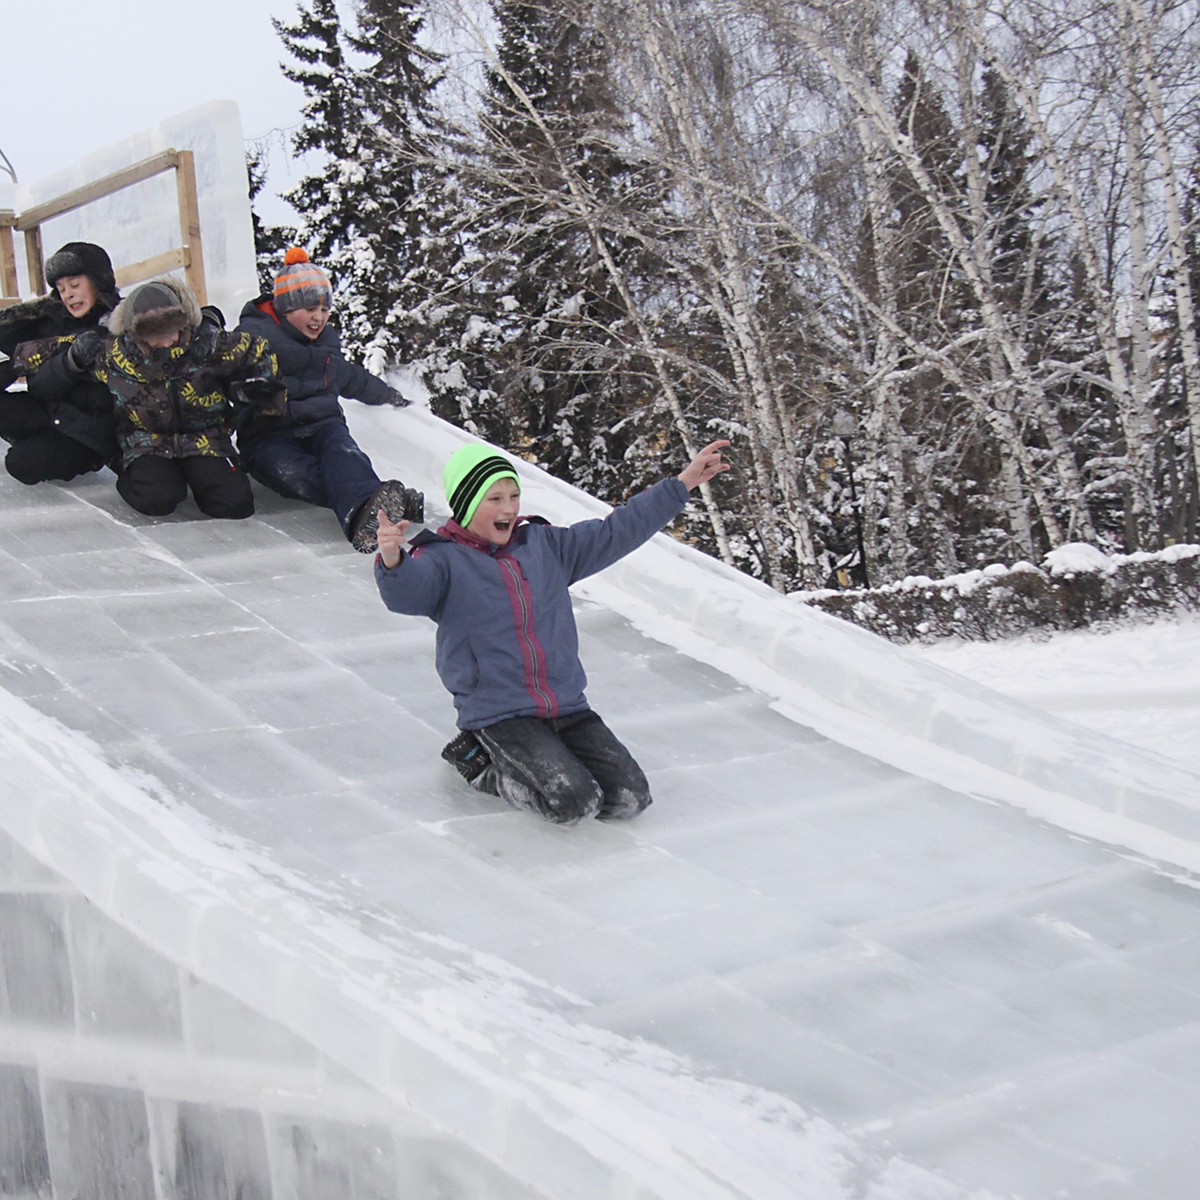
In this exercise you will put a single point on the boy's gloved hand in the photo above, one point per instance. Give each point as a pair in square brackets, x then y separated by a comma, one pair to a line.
[85, 351]
[396, 400]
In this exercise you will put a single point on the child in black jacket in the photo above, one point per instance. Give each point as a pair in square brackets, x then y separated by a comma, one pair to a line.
[59, 427]
[173, 373]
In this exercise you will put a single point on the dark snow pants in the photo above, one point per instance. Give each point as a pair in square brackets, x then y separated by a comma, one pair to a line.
[563, 768]
[321, 465]
[156, 485]
[40, 451]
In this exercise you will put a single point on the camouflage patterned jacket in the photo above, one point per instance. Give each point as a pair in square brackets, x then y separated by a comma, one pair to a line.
[179, 402]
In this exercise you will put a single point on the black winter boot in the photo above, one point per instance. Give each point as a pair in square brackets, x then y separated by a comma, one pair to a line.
[399, 502]
[467, 755]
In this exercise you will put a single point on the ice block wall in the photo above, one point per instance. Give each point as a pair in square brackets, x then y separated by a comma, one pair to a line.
[142, 220]
[122, 1074]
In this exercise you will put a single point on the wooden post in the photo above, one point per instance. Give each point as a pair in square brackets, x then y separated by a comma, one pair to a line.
[8, 258]
[34, 263]
[189, 224]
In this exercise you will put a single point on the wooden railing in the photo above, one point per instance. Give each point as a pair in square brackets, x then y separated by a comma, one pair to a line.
[188, 254]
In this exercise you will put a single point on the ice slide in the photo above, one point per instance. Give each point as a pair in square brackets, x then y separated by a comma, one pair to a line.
[883, 934]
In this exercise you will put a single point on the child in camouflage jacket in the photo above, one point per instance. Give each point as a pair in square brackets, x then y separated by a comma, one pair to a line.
[174, 373]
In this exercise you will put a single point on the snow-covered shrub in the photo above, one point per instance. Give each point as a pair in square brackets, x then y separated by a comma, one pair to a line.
[1075, 586]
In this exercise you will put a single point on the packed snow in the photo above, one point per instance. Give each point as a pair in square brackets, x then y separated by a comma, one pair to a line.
[1139, 683]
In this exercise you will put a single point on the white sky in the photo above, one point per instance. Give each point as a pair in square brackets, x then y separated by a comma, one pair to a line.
[82, 77]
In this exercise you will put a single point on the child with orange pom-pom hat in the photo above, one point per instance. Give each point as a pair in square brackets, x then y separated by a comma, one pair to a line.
[309, 454]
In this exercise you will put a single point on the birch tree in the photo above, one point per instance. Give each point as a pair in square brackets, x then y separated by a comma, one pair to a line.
[1096, 140]
[964, 226]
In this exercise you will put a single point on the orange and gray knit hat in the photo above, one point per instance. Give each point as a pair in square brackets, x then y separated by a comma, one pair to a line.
[301, 284]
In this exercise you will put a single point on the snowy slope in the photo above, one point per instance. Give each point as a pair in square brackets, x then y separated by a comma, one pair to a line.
[1136, 683]
[884, 933]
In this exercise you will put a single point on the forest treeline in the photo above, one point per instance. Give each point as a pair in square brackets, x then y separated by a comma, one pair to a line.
[930, 264]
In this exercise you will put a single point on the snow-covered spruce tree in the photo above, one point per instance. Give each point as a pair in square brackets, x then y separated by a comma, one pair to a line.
[932, 306]
[329, 200]
[996, 522]
[1021, 266]
[1180, 484]
[554, 202]
[956, 461]
[270, 241]
[372, 212]
[929, 289]
[1065, 421]
[395, 264]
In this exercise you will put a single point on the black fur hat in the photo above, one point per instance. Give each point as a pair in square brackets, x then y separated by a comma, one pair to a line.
[83, 258]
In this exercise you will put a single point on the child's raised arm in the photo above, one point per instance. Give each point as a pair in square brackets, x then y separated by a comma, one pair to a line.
[704, 466]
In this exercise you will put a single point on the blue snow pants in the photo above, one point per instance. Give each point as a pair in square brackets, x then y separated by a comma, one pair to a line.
[319, 465]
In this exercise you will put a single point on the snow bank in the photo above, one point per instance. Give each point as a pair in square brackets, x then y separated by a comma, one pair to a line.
[1075, 587]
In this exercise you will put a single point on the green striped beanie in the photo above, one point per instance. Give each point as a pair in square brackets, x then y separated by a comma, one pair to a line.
[469, 473]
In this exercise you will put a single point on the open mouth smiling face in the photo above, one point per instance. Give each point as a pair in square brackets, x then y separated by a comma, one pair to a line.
[309, 321]
[494, 518]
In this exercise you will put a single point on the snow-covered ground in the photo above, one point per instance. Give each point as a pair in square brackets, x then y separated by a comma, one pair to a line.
[1138, 683]
[852, 952]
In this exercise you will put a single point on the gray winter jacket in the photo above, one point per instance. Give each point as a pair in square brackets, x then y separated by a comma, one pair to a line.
[507, 645]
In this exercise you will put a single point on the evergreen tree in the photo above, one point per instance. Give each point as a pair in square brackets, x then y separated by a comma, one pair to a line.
[1031, 287]
[270, 241]
[373, 213]
[932, 306]
[928, 287]
[1020, 265]
[1015, 272]
[553, 199]
[327, 200]
[1178, 485]
[401, 210]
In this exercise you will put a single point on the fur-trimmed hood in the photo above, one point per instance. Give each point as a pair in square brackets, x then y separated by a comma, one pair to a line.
[161, 305]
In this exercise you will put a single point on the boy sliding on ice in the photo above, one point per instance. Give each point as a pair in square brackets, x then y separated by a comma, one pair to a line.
[496, 584]
[306, 452]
